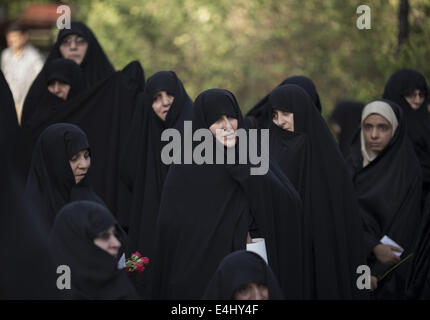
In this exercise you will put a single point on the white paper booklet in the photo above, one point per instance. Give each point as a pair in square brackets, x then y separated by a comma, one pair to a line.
[386, 240]
[258, 246]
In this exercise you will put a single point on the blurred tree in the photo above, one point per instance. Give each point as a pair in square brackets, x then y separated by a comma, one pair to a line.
[250, 46]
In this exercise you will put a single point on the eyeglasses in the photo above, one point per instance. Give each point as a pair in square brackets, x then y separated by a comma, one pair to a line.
[79, 41]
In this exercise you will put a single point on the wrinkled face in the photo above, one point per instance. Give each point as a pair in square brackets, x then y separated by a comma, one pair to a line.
[283, 119]
[224, 129]
[80, 163]
[377, 132]
[59, 88]
[162, 103]
[252, 291]
[74, 47]
[415, 99]
[16, 40]
[108, 241]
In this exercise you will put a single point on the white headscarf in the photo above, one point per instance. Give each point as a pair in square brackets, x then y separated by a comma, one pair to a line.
[383, 109]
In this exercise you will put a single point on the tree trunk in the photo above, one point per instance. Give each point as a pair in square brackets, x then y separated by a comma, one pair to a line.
[403, 23]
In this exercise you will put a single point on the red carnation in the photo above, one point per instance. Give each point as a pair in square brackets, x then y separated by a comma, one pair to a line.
[136, 254]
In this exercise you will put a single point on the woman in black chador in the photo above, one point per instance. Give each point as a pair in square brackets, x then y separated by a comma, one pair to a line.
[80, 45]
[257, 117]
[387, 178]
[59, 171]
[408, 89]
[243, 275]
[86, 238]
[208, 210]
[164, 104]
[304, 148]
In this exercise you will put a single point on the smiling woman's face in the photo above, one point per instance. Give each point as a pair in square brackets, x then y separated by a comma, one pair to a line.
[80, 163]
[224, 129]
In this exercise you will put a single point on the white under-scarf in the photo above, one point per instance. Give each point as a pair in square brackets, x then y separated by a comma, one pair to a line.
[383, 109]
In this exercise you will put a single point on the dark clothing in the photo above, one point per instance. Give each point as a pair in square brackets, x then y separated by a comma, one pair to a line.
[95, 67]
[142, 169]
[347, 114]
[104, 112]
[94, 272]
[398, 85]
[257, 117]
[51, 182]
[205, 211]
[240, 268]
[389, 192]
[332, 226]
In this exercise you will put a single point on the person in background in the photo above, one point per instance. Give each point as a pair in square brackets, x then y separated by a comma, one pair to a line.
[21, 63]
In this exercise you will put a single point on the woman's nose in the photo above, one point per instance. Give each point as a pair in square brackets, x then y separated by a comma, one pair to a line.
[114, 242]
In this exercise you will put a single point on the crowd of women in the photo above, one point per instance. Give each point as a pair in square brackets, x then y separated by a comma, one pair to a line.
[84, 186]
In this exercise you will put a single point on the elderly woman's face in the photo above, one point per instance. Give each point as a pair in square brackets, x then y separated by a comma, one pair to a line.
[80, 163]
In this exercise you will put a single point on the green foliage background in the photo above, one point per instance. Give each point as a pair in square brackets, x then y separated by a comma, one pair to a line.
[250, 46]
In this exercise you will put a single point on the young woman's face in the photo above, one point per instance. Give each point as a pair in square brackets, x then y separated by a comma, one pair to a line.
[252, 291]
[224, 129]
[377, 132]
[283, 119]
[415, 99]
[80, 163]
[162, 103]
[108, 241]
[59, 88]
[74, 47]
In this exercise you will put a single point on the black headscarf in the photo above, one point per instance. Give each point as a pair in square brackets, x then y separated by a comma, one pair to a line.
[205, 213]
[347, 114]
[67, 71]
[51, 183]
[308, 85]
[23, 237]
[104, 112]
[310, 158]
[94, 272]
[95, 67]
[398, 85]
[142, 169]
[389, 193]
[240, 268]
[257, 117]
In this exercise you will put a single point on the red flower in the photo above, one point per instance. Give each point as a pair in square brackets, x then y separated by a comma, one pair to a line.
[136, 254]
[145, 260]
